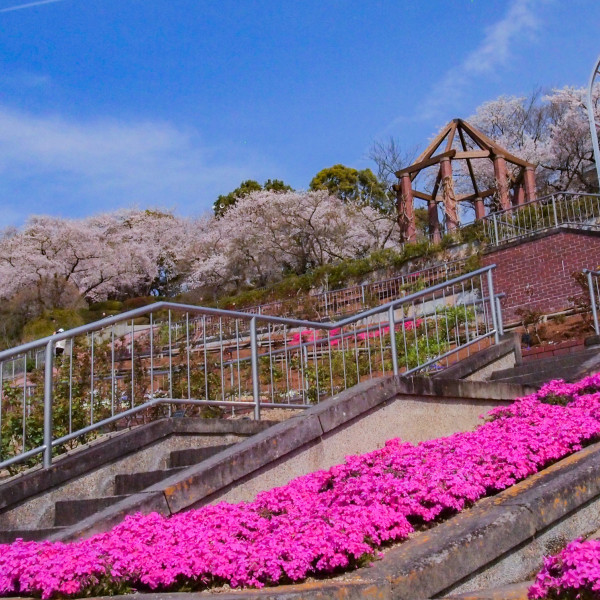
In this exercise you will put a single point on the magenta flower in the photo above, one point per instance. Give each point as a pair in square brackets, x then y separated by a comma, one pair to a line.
[323, 521]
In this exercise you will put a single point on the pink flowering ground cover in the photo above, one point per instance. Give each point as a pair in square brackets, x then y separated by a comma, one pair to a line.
[319, 523]
[573, 573]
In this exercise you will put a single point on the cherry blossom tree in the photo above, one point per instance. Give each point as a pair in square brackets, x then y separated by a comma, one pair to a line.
[550, 130]
[266, 234]
[107, 256]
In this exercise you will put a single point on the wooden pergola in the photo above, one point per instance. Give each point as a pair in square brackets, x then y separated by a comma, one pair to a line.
[474, 145]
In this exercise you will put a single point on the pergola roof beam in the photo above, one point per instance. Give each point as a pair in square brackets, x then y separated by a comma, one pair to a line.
[469, 165]
[422, 195]
[488, 144]
[434, 160]
[468, 154]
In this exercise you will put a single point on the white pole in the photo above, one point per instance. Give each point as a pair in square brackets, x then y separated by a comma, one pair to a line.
[592, 119]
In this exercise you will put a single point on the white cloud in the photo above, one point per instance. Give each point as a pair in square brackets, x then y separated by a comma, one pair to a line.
[28, 5]
[55, 165]
[520, 22]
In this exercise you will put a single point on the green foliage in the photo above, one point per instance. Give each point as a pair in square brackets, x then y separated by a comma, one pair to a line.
[132, 303]
[50, 321]
[107, 305]
[351, 185]
[433, 336]
[472, 263]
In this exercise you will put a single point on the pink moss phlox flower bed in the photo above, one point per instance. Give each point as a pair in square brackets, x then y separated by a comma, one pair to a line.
[572, 573]
[320, 522]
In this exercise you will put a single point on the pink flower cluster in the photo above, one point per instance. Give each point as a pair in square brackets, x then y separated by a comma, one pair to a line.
[319, 522]
[572, 573]
[311, 335]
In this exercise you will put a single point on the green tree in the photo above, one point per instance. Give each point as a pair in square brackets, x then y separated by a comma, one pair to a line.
[276, 185]
[224, 203]
[351, 185]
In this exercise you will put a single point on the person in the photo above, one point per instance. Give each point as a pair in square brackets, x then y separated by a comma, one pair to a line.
[59, 347]
[526, 338]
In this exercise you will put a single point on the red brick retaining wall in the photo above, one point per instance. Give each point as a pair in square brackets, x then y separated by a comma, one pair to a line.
[536, 272]
[548, 350]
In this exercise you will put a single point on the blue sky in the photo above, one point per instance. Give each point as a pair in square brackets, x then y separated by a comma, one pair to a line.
[168, 103]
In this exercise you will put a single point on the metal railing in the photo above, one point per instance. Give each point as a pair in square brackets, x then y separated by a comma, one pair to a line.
[565, 208]
[593, 281]
[337, 303]
[137, 366]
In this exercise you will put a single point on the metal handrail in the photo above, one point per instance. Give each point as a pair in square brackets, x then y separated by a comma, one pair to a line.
[540, 200]
[411, 300]
[219, 312]
[499, 228]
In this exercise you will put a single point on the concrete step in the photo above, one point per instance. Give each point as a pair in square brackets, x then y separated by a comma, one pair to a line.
[537, 372]
[130, 483]
[567, 361]
[69, 512]
[193, 456]
[29, 535]
[515, 591]
[539, 377]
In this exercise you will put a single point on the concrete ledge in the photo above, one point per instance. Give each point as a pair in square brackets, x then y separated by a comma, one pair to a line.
[460, 388]
[515, 591]
[88, 458]
[592, 340]
[471, 365]
[318, 590]
[432, 561]
[213, 474]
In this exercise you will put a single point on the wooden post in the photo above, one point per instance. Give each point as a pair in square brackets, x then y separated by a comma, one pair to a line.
[501, 175]
[405, 207]
[434, 222]
[479, 209]
[519, 195]
[530, 191]
[448, 195]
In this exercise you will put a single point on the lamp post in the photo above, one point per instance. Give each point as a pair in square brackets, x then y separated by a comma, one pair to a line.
[592, 118]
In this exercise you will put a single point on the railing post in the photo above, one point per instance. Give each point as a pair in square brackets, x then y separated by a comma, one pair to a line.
[255, 372]
[495, 228]
[499, 314]
[593, 302]
[48, 373]
[493, 307]
[392, 321]
[554, 211]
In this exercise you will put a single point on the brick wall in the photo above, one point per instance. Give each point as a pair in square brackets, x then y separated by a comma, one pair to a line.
[536, 272]
[549, 350]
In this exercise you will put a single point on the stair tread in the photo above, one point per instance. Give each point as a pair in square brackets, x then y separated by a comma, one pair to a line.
[69, 512]
[29, 535]
[130, 483]
[534, 366]
[192, 456]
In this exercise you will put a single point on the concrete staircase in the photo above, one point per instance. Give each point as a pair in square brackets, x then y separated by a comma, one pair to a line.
[175, 464]
[69, 512]
[569, 367]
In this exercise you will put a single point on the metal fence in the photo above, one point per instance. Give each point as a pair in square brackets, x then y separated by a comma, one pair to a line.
[334, 304]
[565, 208]
[145, 364]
